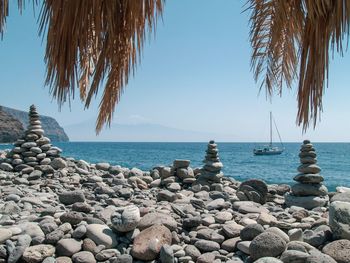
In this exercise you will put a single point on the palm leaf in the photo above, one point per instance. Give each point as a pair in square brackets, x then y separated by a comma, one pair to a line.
[287, 34]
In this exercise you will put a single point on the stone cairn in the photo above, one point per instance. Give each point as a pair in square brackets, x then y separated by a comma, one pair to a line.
[183, 172]
[211, 171]
[33, 148]
[308, 192]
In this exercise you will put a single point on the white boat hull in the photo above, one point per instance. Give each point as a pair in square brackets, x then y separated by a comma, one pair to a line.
[267, 151]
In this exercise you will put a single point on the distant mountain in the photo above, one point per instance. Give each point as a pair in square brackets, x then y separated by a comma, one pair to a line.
[10, 128]
[145, 132]
[51, 127]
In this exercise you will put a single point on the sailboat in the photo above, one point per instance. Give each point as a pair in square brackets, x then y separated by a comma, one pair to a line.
[270, 149]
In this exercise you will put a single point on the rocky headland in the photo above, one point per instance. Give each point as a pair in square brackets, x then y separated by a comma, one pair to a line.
[10, 128]
[68, 210]
[52, 129]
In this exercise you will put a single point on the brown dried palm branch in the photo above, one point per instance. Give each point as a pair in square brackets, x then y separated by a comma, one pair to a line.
[90, 43]
[292, 35]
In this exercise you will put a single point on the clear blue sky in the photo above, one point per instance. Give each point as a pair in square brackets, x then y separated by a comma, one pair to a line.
[195, 75]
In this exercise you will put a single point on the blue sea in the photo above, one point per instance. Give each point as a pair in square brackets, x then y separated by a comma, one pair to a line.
[238, 159]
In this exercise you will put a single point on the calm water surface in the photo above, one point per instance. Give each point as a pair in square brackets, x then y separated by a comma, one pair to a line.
[238, 159]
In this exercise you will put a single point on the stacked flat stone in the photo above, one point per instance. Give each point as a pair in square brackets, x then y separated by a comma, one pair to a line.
[308, 192]
[34, 148]
[211, 171]
[183, 172]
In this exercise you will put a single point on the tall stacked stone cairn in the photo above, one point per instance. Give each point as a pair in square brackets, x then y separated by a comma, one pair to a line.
[33, 148]
[308, 192]
[211, 171]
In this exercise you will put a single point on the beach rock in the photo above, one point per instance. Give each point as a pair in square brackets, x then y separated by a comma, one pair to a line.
[253, 190]
[5, 234]
[151, 219]
[307, 202]
[230, 244]
[206, 258]
[83, 257]
[166, 254]
[126, 220]
[148, 243]
[269, 260]
[339, 250]
[344, 197]
[192, 251]
[267, 245]
[58, 163]
[71, 197]
[103, 166]
[106, 254]
[249, 232]
[177, 164]
[101, 235]
[244, 246]
[166, 195]
[339, 219]
[36, 254]
[68, 247]
[23, 242]
[6, 167]
[309, 189]
[207, 245]
[72, 218]
[309, 178]
[306, 169]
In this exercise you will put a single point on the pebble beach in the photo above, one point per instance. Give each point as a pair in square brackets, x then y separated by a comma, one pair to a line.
[59, 209]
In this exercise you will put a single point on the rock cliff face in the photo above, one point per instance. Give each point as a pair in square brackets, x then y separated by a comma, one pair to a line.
[51, 127]
[10, 128]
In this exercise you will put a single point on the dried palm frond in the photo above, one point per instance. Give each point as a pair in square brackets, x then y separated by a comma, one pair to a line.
[92, 42]
[287, 34]
[4, 12]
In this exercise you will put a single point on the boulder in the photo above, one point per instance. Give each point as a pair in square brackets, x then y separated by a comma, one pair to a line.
[267, 245]
[339, 250]
[36, 254]
[101, 235]
[71, 197]
[339, 219]
[126, 220]
[148, 243]
[151, 219]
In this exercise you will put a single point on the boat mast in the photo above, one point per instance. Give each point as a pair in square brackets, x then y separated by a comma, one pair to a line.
[270, 129]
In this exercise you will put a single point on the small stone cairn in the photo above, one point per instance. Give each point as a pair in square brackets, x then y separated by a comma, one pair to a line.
[33, 148]
[308, 192]
[211, 171]
[183, 171]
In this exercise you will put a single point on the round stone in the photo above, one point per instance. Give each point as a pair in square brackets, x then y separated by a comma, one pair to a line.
[126, 220]
[83, 257]
[151, 219]
[149, 242]
[339, 219]
[71, 197]
[338, 250]
[38, 253]
[249, 232]
[68, 247]
[101, 235]
[267, 245]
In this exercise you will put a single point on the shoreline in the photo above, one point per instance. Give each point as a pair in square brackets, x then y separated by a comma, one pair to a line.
[83, 210]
